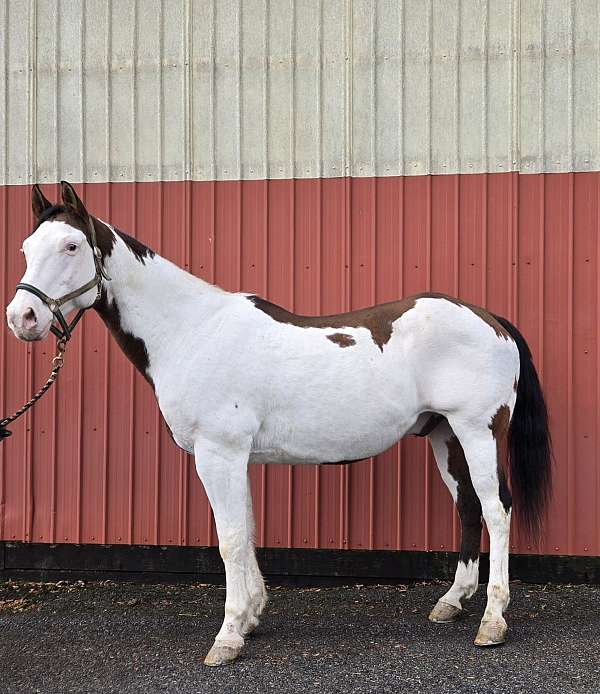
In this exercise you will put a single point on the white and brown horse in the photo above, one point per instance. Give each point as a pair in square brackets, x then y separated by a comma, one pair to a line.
[240, 380]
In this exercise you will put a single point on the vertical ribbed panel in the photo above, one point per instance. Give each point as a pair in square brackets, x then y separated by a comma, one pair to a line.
[93, 461]
[167, 90]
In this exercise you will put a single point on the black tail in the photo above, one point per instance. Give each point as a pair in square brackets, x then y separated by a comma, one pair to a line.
[529, 444]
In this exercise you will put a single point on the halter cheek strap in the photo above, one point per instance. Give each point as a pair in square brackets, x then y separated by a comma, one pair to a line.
[55, 304]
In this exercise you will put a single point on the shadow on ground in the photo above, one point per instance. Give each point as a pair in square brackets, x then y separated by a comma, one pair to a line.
[122, 637]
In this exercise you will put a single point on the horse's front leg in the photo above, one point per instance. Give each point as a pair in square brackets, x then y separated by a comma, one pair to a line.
[223, 471]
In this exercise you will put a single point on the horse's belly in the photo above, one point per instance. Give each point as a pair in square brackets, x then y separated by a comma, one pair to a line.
[329, 436]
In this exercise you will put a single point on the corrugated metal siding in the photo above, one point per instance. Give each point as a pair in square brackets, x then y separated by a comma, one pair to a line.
[166, 90]
[102, 468]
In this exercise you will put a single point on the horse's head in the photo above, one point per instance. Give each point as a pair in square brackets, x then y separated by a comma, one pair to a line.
[60, 260]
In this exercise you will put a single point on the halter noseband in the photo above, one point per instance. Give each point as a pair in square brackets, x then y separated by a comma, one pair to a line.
[55, 304]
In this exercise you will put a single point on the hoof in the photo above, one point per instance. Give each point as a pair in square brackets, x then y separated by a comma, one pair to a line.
[444, 612]
[222, 653]
[491, 633]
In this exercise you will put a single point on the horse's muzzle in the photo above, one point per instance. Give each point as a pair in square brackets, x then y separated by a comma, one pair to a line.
[28, 322]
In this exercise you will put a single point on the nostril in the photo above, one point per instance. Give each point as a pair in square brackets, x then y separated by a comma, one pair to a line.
[29, 318]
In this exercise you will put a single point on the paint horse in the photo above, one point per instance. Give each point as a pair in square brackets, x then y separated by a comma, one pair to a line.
[240, 380]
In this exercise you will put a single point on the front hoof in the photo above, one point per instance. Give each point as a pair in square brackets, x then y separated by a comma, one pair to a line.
[222, 653]
[491, 632]
[444, 612]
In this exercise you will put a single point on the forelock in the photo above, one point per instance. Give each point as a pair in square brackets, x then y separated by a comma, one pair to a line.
[49, 213]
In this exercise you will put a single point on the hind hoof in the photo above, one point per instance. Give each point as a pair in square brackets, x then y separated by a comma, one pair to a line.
[491, 633]
[222, 653]
[444, 612]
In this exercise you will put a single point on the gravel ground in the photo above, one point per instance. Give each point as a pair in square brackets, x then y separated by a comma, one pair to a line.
[123, 637]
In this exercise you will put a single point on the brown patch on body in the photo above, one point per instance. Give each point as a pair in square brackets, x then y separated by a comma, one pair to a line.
[487, 317]
[499, 428]
[482, 313]
[377, 319]
[134, 347]
[467, 502]
[342, 339]
[500, 422]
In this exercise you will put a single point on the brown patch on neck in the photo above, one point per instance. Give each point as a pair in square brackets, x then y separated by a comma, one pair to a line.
[133, 347]
[377, 319]
[342, 339]
[138, 249]
[467, 502]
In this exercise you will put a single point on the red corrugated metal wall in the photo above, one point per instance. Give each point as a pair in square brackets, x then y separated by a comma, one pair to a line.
[94, 463]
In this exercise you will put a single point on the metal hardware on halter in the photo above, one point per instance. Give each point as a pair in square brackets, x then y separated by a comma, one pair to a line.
[55, 304]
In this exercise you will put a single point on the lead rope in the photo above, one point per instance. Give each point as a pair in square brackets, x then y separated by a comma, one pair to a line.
[57, 364]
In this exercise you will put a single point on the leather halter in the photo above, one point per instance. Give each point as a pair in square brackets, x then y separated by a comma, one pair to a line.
[55, 304]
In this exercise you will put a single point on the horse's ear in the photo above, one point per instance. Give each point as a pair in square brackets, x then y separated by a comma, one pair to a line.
[71, 199]
[38, 201]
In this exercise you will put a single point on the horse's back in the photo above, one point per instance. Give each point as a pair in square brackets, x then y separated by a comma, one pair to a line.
[340, 391]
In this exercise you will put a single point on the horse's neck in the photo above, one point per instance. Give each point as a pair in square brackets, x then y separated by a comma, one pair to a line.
[152, 300]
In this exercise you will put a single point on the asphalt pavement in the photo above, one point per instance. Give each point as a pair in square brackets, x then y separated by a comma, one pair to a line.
[123, 637]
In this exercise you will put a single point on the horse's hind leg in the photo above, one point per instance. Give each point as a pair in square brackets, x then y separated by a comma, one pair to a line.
[256, 584]
[481, 448]
[454, 470]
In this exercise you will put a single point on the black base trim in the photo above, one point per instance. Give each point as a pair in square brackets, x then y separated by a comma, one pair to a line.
[297, 566]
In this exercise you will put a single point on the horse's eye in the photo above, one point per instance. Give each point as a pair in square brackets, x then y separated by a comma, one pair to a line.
[71, 247]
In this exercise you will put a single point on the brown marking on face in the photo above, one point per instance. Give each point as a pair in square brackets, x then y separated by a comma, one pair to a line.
[499, 426]
[105, 238]
[515, 384]
[342, 339]
[74, 213]
[134, 347]
[432, 422]
[377, 319]
[467, 502]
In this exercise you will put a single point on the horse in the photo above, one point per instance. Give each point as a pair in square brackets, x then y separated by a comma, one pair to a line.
[240, 380]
